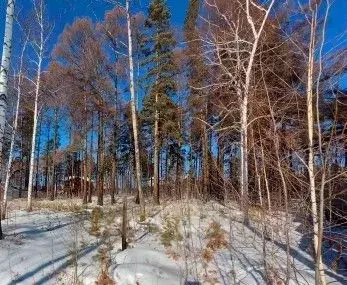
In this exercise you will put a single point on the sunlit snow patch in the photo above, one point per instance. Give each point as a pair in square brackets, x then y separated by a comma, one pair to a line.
[145, 267]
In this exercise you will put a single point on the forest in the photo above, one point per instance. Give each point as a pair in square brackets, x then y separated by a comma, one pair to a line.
[221, 135]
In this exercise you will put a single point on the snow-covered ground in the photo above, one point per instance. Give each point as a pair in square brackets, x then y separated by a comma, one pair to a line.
[181, 242]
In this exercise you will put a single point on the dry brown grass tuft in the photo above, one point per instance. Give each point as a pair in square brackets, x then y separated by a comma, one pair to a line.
[104, 279]
[216, 237]
[216, 240]
[57, 205]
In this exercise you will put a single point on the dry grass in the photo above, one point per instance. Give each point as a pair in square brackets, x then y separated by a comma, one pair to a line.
[216, 240]
[104, 279]
[58, 205]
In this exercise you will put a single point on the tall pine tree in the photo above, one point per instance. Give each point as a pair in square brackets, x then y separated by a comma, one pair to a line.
[160, 110]
[198, 97]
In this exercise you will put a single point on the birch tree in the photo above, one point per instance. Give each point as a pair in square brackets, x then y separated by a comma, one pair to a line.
[317, 216]
[256, 17]
[38, 47]
[14, 128]
[4, 68]
[244, 105]
[5, 65]
[134, 115]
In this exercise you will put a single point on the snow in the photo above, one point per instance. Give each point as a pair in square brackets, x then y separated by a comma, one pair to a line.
[48, 246]
[145, 266]
[37, 248]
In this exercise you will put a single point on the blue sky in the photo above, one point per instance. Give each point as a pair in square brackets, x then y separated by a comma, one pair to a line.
[337, 23]
[63, 12]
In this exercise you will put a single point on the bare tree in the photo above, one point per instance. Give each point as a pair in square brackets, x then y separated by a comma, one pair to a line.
[14, 127]
[317, 215]
[5, 65]
[243, 74]
[4, 68]
[244, 104]
[38, 47]
[134, 115]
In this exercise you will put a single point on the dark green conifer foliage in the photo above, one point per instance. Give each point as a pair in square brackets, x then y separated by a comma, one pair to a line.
[196, 68]
[160, 111]
[198, 98]
[161, 69]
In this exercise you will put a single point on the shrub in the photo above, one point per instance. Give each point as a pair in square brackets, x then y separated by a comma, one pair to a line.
[216, 239]
[103, 257]
[95, 221]
[171, 232]
[104, 279]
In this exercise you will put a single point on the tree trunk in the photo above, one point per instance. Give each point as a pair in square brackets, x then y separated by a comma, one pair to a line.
[33, 140]
[14, 130]
[156, 155]
[134, 116]
[124, 224]
[179, 172]
[265, 176]
[85, 160]
[167, 164]
[21, 161]
[38, 159]
[55, 143]
[4, 68]
[244, 159]
[114, 180]
[244, 107]
[85, 173]
[37, 91]
[90, 192]
[47, 160]
[320, 277]
[285, 192]
[114, 170]
[1, 234]
[205, 162]
[101, 160]
[257, 174]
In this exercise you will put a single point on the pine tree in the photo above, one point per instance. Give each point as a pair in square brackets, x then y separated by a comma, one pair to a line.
[198, 99]
[159, 107]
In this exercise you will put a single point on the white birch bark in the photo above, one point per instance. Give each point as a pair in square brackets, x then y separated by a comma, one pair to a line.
[133, 114]
[4, 69]
[14, 130]
[244, 105]
[323, 156]
[320, 277]
[40, 50]
[242, 77]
